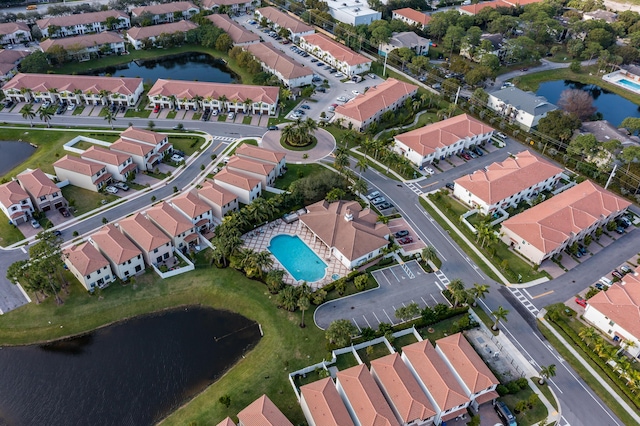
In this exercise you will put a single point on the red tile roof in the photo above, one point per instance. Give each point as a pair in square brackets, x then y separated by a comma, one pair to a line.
[191, 204]
[164, 8]
[12, 27]
[216, 194]
[262, 412]
[502, 180]
[37, 183]
[246, 150]
[254, 166]
[238, 180]
[376, 99]
[284, 20]
[402, 388]
[237, 32]
[426, 140]
[338, 50]
[103, 155]
[142, 231]
[12, 193]
[131, 147]
[169, 219]
[139, 33]
[239, 92]
[114, 244]
[78, 165]
[279, 61]
[71, 83]
[85, 258]
[414, 15]
[467, 363]
[87, 40]
[325, 405]
[365, 397]
[79, 18]
[226, 422]
[552, 222]
[137, 134]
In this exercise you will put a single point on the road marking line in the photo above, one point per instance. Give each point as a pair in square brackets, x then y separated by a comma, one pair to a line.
[377, 319]
[394, 274]
[540, 295]
[425, 303]
[385, 312]
[354, 321]
[367, 321]
[434, 299]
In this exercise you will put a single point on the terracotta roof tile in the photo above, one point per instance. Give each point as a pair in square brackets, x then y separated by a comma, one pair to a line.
[37, 183]
[114, 244]
[164, 8]
[277, 60]
[141, 230]
[414, 15]
[137, 134]
[325, 405]
[552, 222]
[402, 388]
[499, 181]
[467, 363]
[85, 258]
[106, 156]
[426, 140]
[237, 32]
[226, 422]
[238, 180]
[80, 18]
[246, 150]
[254, 166]
[12, 27]
[262, 412]
[354, 238]
[216, 194]
[169, 219]
[70, 83]
[12, 193]
[365, 397]
[284, 20]
[131, 147]
[377, 98]
[432, 370]
[189, 89]
[138, 33]
[190, 204]
[87, 40]
[78, 165]
[338, 50]
[210, 4]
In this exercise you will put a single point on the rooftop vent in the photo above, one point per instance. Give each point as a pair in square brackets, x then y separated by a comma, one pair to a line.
[348, 216]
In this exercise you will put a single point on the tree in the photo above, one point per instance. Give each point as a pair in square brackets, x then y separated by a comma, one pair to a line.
[458, 291]
[287, 298]
[274, 280]
[577, 102]
[362, 165]
[485, 234]
[28, 113]
[110, 117]
[408, 312]
[303, 305]
[546, 372]
[35, 63]
[559, 125]
[224, 43]
[478, 291]
[45, 115]
[499, 314]
[151, 124]
[585, 146]
[429, 254]
[225, 400]
[340, 332]
[47, 251]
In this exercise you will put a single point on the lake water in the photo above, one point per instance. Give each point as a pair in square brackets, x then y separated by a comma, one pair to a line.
[188, 66]
[132, 373]
[13, 154]
[614, 108]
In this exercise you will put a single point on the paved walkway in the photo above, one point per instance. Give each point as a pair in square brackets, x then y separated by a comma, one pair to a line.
[325, 146]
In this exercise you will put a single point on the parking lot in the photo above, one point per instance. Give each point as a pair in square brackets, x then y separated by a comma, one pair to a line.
[411, 242]
[399, 285]
[320, 101]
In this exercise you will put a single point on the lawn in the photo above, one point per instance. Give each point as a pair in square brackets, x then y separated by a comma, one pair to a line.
[440, 329]
[300, 148]
[172, 114]
[346, 360]
[530, 416]
[285, 346]
[84, 200]
[375, 166]
[297, 171]
[405, 340]
[9, 234]
[377, 351]
[247, 120]
[517, 267]
[186, 143]
[197, 116]
[78, 110]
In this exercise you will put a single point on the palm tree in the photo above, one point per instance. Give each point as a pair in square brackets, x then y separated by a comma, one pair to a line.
[247, 103]
[362, 165]
[546, 372]
[500, 314]
[223, 102]
[287, 298]
[263, 261]
[484, 233]
[110, 117]
[429, 254]
[479, 291]
[588, 334]
[303, 305]
[360, 187]
[45, 115]
[28, 113]
[309, 125]
[458, 291]
[341, 161]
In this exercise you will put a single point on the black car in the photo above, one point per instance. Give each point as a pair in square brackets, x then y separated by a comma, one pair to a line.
[57, 233]
[449, 185]
[321, 89]
[272, 128]
[401, 234]
[384, 206]
[620, 230]
[478, 151]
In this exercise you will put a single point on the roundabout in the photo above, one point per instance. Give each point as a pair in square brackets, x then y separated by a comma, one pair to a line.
[324, 146]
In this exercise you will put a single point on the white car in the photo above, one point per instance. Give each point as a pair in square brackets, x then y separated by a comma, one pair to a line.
[429, 171]
[371, 75]
[339, 75]
[355, 92]
[342, 99]
[232, 115]
[112, 189]
[177, 158]
[70, 107]
[35, 224]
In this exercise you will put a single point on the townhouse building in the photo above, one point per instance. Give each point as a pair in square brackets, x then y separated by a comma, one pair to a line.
[277, 158]
[124, 257]
[44, 194]
[525, 108]
[220, 199]
[195, 209]
[166, 12]
[118, 164]
[90, 267]
[239, 34]
[82, 173]
[84, 47]
[278, 19]
[412, 17]
[245, 187]
[232, 6]
[335, 54]
[262, 412]
[177, 227]
[15, 203]
[12, 33]
[322, 405]
[138, 36]
[83, 23]
[155, 246]
[265, 172]
[288, 71]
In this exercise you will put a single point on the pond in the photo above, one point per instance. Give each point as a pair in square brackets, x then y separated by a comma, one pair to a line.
[132, 373]
[614, 108]
[14, 153]
[188, 66]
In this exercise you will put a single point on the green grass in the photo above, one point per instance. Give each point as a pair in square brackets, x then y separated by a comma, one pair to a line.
[172, 114]
[609, 399]
[183, 143]
[222, 117]
[78, 110]
[546, 391]
[405, 340]
[285, 346]
[485, 318]
[379, 350]
[373, 165]
[134, 113]
[84, 200]
[300, 148]
[292, 173]
[103, 112]
[530, 416]
[250, 142]
[9, 234]
[440, 329]
[517, 266]
[197, 116]
[247, 120]
[346, 360]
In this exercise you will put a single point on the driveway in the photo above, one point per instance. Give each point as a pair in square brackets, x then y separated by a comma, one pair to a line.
[398, 286]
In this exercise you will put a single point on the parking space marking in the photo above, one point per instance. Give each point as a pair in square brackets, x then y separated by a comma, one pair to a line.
[383, 275]
[434, 299]
[367, 321]
[356, 323]
[377, 319]
[385, 312]
[394, 274]
[425, 303]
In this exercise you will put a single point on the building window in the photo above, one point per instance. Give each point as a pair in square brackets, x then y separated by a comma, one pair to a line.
[611, 323]
[155, 250]
[138, 268]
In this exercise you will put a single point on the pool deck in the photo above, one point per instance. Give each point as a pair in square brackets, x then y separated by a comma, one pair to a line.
[616, 76]
[260, 238]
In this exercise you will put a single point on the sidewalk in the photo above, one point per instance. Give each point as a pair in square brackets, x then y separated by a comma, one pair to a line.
[587, 367]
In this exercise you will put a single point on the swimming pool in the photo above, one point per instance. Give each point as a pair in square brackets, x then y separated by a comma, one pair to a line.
[302, 263]
[629, 84]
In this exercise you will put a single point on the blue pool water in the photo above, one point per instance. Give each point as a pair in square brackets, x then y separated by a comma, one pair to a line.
[297, 258]
[630, 84]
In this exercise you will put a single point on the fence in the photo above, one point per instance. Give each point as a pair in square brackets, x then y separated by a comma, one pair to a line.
[178, 271]
[69, 145]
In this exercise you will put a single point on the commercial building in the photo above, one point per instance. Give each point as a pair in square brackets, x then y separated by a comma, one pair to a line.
[335, 54]
[547, 228]
[440, 140]
[353, 12]
[526, 108]
[138, 36]
[83, 23]
[279, 19]
[288, 71]
[89, 266]
[124, 257]
[44, 194]
[239, 34]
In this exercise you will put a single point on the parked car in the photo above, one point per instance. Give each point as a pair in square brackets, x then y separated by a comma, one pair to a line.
[478, 151]
[232, 115]
[401, 234]
[121, 185]
[64, 211]
[580, 301]
[321, 89]
[320, 64]
[378, 200]
[305, 106]
[373, 195]
[616, 274]
[465, 156]
[449, 185]
[501, 135]
[341, 99]
[582, 249]
[112, 189]
[57, 233]
[300, 112]
[599, 286]
[384, 206]
[620, 230]
[314, 60]
[429, 171]
[339, 75]
[405, 240]
[625, 269]
[71, 107]
[156, 109]
[272, 128]
[35, 224]
[177, 158]
[355, 92]
[623, 222]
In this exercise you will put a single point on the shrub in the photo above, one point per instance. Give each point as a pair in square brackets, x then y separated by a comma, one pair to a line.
[502, 390]
[368, 333]
[513, 387]
[361, 282]
[522, 382]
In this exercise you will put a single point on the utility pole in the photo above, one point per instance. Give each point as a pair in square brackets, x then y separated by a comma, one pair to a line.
[613, 173]
[457, 94]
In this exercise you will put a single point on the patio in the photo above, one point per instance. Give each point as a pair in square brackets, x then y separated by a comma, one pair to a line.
[259, 240]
